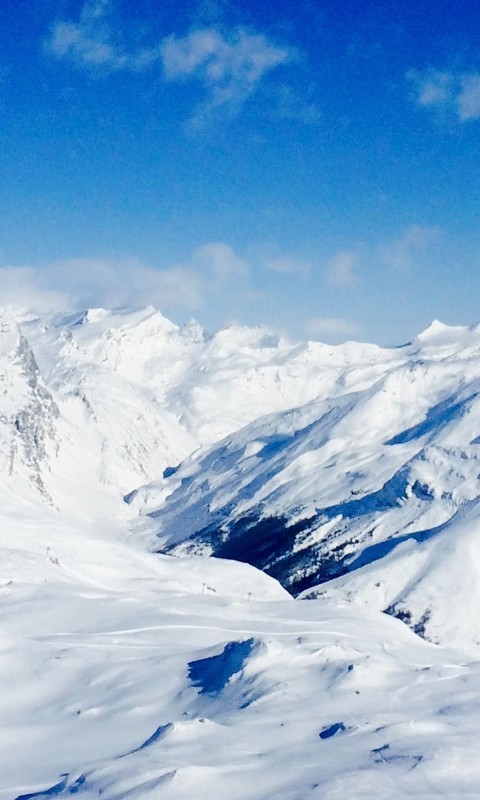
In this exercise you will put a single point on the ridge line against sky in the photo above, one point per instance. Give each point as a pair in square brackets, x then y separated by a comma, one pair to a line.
[314, 167]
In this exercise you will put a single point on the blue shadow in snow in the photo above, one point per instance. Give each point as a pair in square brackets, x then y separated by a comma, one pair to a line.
[211, 675]
[51, 792]
[437, 417]
[169, 471]
[383, 755]
[377, 551]
[332, 730]
[273, 444]
[156, 735]
[389, 496]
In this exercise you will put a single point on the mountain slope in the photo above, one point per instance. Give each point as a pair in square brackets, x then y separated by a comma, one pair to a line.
[136, 394]
[328, 488]
[133, 674]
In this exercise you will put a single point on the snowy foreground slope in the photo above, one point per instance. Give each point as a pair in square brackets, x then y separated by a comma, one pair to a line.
[348, 472]
[130, 675]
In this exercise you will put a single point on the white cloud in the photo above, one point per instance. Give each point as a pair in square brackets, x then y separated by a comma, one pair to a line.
[229, 65]
[92, 43]
[402, 253]
[214, 274]
[221, 261]
[239, 60]
[457, 92]
[26, 288]
[433, 86]
[286, 265]
[268, 256]
[294, 106]
[88, 42]
[332, 327]
[341, 269]
[468, 99]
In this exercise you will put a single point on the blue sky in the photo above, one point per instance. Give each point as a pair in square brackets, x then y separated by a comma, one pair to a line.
[309, 166]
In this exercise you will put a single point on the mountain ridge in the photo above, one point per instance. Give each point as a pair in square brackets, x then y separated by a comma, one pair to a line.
[132, 673]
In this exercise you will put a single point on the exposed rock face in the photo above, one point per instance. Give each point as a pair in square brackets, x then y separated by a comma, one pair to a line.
[28, 412]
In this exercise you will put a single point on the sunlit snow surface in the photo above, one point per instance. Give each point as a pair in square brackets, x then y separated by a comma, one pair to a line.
[130, 674]
[369, 492]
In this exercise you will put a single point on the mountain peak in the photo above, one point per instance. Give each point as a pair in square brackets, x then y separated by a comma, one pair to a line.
[439, 333]
[93, 315]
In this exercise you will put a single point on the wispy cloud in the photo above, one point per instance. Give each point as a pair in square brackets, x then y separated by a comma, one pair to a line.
[213, 274]
[297, 107]
[228, 64]
[90, 42]
[432, 87]
[79, 283]
[26, 288]
[403, 252]
[286, 265]
[221, 262]
[342, 268]
[468, 98]
[455, 92]
[331, 327]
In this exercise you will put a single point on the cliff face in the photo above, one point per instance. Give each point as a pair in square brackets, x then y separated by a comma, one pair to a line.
[28, 413]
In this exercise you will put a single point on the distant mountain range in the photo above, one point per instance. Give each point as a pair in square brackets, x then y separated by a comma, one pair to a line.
[132, 666]
[369, 491]
[350, 470]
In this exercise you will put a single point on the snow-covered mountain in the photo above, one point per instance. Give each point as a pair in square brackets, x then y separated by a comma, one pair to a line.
[349, 473]
[133, 394]
[378, 481]
[308, 461]
[102, 402]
